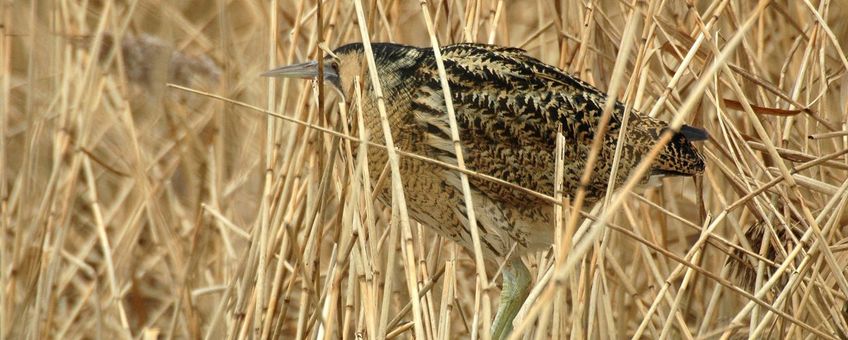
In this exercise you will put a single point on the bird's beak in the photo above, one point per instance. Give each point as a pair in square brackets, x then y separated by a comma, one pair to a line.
[308, 70]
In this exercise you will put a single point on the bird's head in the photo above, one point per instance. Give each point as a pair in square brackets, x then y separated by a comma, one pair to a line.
[340, 69]
[344, 64]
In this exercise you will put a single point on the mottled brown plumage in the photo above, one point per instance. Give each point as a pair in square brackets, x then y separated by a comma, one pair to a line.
[508, 107]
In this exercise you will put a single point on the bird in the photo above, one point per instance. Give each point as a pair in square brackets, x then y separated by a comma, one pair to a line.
[509, 109]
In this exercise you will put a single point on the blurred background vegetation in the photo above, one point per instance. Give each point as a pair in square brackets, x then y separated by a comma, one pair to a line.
[133, 208]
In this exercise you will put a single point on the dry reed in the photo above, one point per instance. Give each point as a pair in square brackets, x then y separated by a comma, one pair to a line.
[154, 186]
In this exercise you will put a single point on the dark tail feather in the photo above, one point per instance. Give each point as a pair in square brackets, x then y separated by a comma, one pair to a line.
[694, 134]
[681, 157]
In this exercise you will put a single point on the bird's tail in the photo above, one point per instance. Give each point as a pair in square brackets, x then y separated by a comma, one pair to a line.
[680, 157]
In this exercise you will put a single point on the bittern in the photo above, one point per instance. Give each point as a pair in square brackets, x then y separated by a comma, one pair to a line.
[509, 108]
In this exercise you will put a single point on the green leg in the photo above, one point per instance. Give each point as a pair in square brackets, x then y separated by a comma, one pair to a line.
[516, 284]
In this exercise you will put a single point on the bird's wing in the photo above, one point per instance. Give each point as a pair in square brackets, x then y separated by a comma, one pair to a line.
[509, 107]
[508, 117]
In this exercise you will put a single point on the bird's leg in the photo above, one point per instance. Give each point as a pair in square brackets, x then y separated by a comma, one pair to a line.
[516, 284]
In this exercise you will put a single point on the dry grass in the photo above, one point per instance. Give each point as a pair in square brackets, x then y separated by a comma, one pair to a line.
[136, 209]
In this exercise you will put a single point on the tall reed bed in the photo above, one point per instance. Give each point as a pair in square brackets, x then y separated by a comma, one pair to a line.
[154, 186]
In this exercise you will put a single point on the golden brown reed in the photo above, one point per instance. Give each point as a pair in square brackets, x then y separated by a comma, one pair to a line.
[136, 209]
